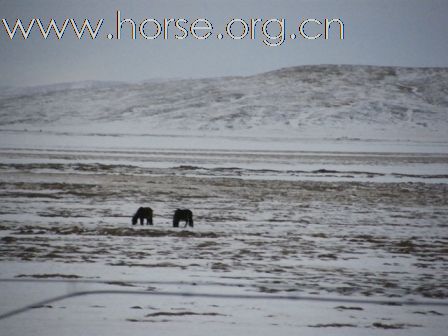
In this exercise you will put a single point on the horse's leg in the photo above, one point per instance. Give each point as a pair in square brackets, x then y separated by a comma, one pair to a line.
[141, 220]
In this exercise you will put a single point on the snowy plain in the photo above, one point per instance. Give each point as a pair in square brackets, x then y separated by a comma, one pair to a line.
[320, 183]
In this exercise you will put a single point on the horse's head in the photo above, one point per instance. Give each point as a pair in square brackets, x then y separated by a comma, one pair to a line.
[134, 220]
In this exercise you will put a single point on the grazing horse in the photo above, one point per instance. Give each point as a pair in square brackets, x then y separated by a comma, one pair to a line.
[183, 214]
[142, 213]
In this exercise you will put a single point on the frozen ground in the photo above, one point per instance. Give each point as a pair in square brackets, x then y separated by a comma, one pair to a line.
[324, 184]
[369, 226]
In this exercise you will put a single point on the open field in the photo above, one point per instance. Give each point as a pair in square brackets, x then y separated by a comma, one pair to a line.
[343, 225]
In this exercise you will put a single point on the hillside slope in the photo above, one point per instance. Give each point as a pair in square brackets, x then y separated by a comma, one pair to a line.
[321, 101]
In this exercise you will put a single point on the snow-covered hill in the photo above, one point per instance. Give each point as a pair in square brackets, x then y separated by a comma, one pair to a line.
[308, 101]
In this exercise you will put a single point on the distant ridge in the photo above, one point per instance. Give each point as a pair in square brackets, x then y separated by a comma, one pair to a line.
[330, 100]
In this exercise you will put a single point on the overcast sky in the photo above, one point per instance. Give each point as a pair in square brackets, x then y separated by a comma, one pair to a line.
[380, 32]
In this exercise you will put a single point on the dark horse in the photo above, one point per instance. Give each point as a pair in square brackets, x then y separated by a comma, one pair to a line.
[142, 213]
[183, 214]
